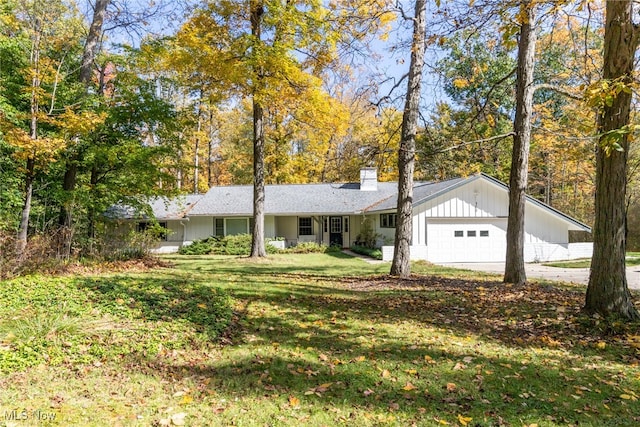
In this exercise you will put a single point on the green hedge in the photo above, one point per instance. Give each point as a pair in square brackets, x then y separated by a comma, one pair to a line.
[363, 250]
[241, 245]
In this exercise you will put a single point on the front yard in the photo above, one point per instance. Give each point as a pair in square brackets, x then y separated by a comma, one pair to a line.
[317, 340]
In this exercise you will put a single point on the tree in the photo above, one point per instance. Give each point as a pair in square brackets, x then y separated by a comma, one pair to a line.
[49, 37]
[401, 265]
[514, 264]
[85, 77]
[258, 51]
[607, 292]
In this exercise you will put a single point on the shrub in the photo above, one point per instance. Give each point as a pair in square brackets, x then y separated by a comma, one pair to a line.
[311, 247]
[198, 247]
[134, 245]
[229, 245]
[371, 252]
[367, 237]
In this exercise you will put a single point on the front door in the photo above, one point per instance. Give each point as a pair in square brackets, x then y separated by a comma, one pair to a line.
[335, 231]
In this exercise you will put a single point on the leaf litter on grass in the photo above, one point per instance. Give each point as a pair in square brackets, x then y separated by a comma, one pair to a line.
[375, 350]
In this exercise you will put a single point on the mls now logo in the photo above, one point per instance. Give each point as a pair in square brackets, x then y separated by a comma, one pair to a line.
[23, 415]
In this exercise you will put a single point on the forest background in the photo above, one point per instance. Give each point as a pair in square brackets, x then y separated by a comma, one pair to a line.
[110, 101]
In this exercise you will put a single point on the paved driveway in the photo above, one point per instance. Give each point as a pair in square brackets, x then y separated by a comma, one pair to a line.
[576, 275]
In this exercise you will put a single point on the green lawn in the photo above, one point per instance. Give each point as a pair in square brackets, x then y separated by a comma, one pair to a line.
[632, 258]
[311, 340]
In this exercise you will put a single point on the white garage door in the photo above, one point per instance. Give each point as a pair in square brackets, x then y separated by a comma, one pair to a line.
[466, 240]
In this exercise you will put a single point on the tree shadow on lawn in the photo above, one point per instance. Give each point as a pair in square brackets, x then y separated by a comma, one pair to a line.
[205, 307]
[532, 315]
[342, 331]
[417, 382]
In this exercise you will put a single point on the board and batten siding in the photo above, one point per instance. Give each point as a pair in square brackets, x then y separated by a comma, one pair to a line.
[477, 199]
[483, 205]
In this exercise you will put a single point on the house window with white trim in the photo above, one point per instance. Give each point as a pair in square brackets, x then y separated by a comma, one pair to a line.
[471, 233]
[218, 227]
[388, 220]
[458, 233]
[305, 226]
[484, 233]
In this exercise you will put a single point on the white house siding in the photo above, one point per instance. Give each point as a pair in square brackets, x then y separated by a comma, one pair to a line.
[477, 199]
[199, 227]
[176, 231]
[483, 206]
[541, 227]
[287, 227]
[269, 226]
[417, 253]
[544, 252]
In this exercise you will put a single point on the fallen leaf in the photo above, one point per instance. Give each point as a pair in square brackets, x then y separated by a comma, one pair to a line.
[409, 387]
[386, 373]
[464, 420]
[451, 387]
[178, 419]
[294, 401]
[323, 387]
[601, 345]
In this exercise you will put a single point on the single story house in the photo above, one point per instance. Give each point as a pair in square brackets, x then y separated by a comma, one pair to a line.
[457, 220]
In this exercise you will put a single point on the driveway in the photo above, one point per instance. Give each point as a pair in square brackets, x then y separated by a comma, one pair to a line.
[539, 271]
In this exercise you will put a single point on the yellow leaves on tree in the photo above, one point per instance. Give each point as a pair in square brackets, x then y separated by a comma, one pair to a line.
[79, 123]
[43, 150]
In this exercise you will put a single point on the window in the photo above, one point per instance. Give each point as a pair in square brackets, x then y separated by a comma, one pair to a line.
[305, 227]
[471, 233]
[235, 226]
[218, 227]
[484, 233]
[388, 220]
[346, 224]
[326, 224]
[458, 233]
[336, 224]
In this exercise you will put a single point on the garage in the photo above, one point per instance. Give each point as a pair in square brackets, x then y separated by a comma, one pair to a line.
[466, 239]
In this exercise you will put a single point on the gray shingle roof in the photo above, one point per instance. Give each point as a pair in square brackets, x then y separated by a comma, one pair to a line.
[311, 199]
[295, 199]
[174, 208]
[161, 207]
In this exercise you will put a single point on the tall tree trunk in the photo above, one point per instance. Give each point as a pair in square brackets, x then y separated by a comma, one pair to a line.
[23, 229]
[514, 263]
[91, 212]
[257, 241]
[93, 41]
[73, 156]
[401, 265]
[196, 160]
[607, 292]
